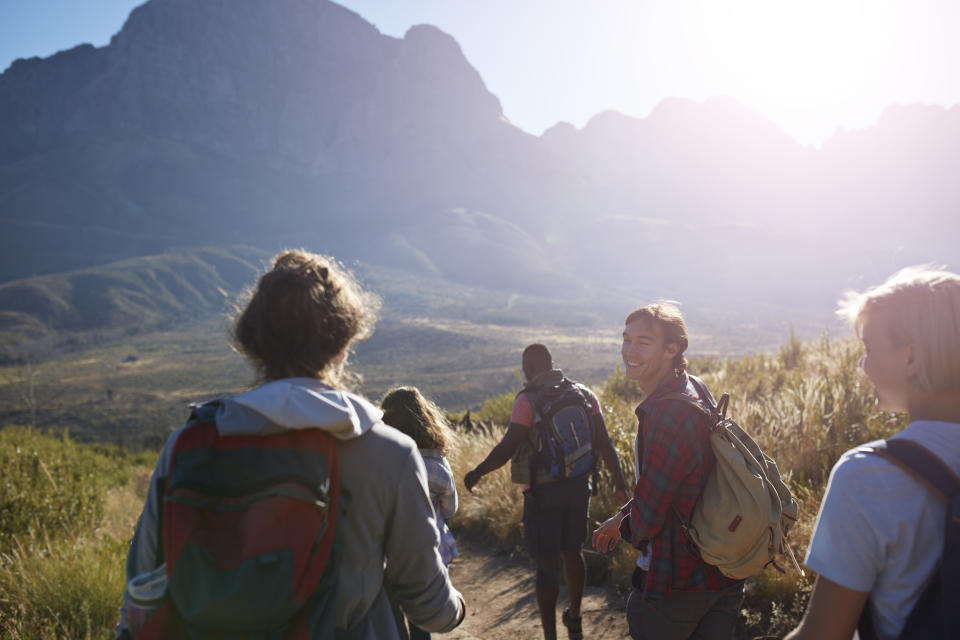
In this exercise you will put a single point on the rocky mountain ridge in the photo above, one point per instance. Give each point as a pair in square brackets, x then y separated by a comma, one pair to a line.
[222, 122]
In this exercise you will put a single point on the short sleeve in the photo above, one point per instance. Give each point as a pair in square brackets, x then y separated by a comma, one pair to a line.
[522, 412]
[847, 542]
[594, 402]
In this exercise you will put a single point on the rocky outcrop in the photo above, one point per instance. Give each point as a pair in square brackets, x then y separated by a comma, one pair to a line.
[295, 122]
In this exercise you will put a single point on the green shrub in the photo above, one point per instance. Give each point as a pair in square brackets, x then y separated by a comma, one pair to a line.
[61, 576]
[620, 386]
[52, 484]
[497, 409]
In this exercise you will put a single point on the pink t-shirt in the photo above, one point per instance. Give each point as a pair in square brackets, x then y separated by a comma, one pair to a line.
[524, 415]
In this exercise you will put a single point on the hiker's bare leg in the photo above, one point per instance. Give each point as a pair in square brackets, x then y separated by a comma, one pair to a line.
[575, 571]
[548, 590]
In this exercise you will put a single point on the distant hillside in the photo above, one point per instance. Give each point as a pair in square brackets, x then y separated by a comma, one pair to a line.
[226, 122]
[138, 292]
[188, 284]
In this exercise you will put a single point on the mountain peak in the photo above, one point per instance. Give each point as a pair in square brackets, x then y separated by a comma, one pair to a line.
[431, 65]
[242, 27]
[433, 37]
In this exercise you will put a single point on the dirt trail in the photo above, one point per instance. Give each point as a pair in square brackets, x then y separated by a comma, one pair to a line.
[502, 605]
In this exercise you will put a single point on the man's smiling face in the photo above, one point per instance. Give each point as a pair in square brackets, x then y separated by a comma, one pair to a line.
[646, 358]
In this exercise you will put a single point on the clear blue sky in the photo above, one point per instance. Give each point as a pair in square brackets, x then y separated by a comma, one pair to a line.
[811, 66]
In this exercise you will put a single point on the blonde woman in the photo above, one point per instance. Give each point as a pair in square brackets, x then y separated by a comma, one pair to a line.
[880, 534]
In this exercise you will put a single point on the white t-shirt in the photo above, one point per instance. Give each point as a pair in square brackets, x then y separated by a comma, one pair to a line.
[880, 530]
[643, 559]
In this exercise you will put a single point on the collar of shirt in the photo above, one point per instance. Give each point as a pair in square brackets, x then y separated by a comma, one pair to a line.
[673, 384]
[547, 378]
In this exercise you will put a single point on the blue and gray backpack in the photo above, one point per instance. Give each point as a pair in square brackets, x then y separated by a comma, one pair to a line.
[565, 431]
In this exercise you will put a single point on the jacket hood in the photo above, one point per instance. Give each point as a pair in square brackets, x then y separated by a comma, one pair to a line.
[297, 403]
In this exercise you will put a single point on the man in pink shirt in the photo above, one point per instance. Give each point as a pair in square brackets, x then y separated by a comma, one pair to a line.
[555, 505]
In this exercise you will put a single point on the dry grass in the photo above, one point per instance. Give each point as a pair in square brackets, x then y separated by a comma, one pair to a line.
[122, 505]
[496, 505]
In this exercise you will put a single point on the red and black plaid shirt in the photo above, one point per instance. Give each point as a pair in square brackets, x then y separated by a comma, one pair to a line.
[675, 452]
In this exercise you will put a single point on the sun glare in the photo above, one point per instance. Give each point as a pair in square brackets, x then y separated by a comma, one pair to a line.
[804, 64]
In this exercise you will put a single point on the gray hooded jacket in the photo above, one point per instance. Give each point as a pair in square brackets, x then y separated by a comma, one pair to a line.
[388, 534]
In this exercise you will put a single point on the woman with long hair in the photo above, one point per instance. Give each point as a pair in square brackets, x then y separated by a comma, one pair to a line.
[407, 410]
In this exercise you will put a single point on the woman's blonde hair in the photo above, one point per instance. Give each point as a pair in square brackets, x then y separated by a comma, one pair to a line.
[409, 411]
[302, 317]
[918, 305]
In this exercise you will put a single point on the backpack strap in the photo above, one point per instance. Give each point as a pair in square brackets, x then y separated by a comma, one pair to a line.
[704, 403]
[201, 412]
[920, 463]
[531, 393]
[928, 469]
[594, 434]
[718, 407]
[690, 402]
[703, 406]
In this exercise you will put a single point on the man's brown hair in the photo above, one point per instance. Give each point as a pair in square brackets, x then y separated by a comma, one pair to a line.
[666, 315]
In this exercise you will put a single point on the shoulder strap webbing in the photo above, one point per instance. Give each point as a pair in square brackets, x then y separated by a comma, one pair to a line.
[699, 406]
[687, 400]
[535, 394]
[715, 411]
[933, 473]
[718, 407]
[920, 463]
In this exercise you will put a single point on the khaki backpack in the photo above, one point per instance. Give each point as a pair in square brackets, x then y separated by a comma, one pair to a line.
[740, 522]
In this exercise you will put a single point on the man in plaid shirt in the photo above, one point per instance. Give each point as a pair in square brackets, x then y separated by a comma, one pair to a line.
[676, 595]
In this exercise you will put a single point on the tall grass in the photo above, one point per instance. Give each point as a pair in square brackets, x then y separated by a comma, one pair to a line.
[495, 508]
[805, 405]
[65, 587]
[67, 511]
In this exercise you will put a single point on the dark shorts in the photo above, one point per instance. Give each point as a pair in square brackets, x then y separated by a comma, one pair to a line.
[555, 517]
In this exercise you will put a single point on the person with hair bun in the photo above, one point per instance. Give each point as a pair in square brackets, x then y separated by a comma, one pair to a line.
[297, 329]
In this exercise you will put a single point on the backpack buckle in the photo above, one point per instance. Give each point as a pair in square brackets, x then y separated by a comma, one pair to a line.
[722, 406]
